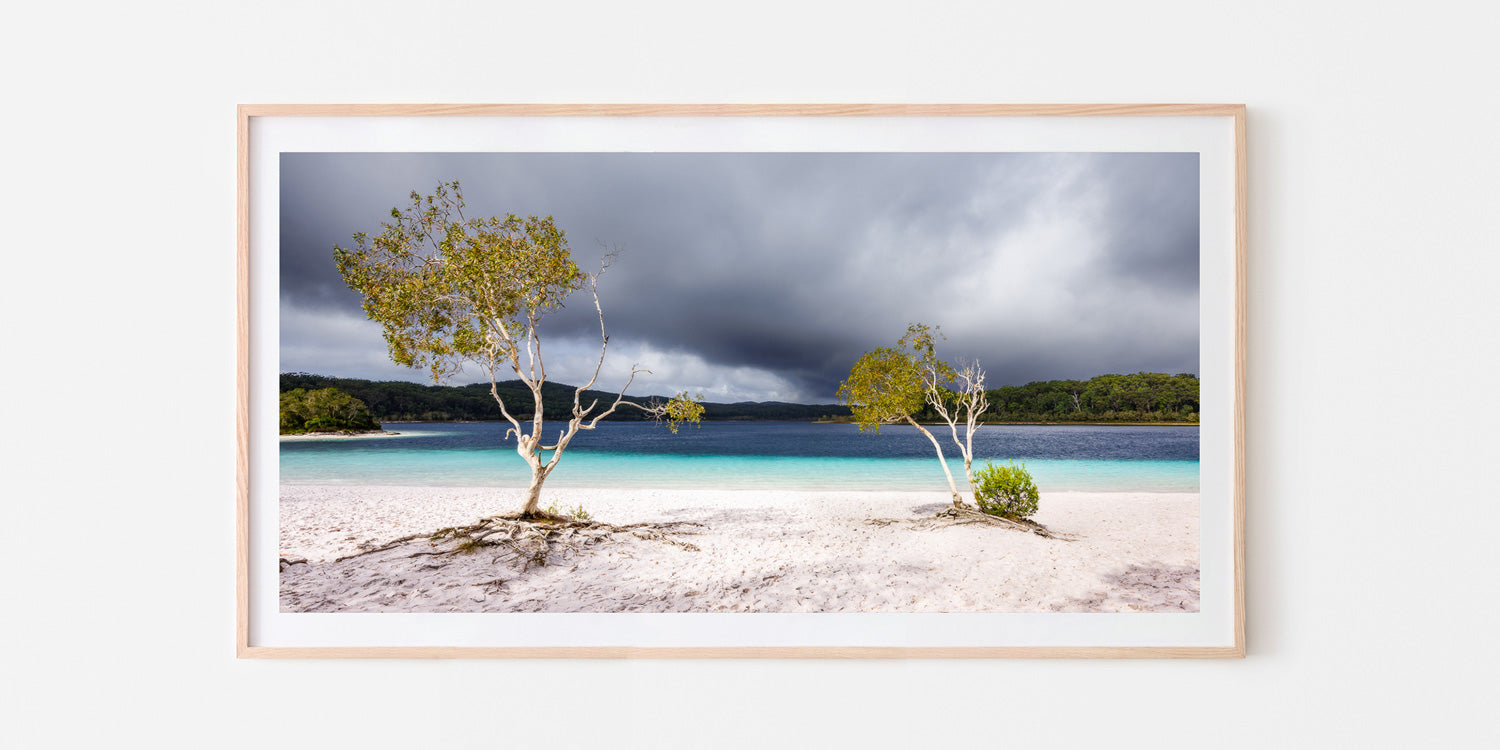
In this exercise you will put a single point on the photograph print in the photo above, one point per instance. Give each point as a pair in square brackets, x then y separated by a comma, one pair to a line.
[739, 382]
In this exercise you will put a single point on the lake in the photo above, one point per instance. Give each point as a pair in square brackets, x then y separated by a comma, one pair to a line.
[751, 455]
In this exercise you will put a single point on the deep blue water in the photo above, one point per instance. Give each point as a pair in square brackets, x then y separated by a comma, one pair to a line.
[795, 455]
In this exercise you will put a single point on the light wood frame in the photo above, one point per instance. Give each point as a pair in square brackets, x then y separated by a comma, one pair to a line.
[246, 112]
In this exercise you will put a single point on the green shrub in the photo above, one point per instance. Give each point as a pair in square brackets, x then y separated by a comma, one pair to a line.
[577, 512]
[1006, 491]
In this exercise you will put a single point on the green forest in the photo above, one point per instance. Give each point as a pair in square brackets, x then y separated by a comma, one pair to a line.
[323, 410]
[400, 401]
[1141, 397]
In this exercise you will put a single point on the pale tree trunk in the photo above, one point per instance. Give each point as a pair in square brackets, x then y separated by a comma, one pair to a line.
[540, 471]
[535, 376]
[534, 492]
[530, 447]
[527, 445]
[952, 486]
[971, 403]
[967, 449]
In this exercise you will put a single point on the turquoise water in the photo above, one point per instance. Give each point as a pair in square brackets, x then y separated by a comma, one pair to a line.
[749, 455]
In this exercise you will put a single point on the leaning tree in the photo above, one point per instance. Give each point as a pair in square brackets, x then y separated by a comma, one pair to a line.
[451, 290]
[893, 384]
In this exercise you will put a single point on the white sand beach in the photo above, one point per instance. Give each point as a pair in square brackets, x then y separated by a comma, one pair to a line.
[759, 551]
[343, 436]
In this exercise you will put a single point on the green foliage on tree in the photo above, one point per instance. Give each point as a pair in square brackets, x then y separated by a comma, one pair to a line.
[451, 290]
[883, 387]
[1006, 490]
[889, 384]
[896, 384]
[324, 410]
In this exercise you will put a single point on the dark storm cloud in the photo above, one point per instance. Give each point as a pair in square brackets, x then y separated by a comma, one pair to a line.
[1154, 226]
[780, 269]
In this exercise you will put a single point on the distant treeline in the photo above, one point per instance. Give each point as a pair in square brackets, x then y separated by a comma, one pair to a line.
[400, 401]
[1142, 397]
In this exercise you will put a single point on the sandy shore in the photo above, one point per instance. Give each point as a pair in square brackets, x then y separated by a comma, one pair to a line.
[341, 435]
[760, 551]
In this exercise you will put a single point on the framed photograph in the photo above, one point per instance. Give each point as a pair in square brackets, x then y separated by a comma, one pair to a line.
[741, 381]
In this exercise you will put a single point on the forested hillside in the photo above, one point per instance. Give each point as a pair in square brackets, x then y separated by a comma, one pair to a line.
[400, 401]
[1141, 397]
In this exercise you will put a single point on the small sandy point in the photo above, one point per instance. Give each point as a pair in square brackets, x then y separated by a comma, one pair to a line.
[297, 437]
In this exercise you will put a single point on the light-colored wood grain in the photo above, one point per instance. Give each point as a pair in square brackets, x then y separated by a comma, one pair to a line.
[1240, 225]
[242, 386]
[243, 645]
[786, 652]
[741, 110]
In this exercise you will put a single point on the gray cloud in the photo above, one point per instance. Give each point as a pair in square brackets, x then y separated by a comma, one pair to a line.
[769, 274]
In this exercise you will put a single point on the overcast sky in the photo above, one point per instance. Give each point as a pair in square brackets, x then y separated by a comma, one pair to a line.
[763, 277]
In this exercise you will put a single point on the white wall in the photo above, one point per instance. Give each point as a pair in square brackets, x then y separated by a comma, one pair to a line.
[1373, 602]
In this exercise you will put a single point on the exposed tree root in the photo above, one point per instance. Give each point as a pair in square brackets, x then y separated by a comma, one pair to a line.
[959, 515]
[530, 541]
[388, 545]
